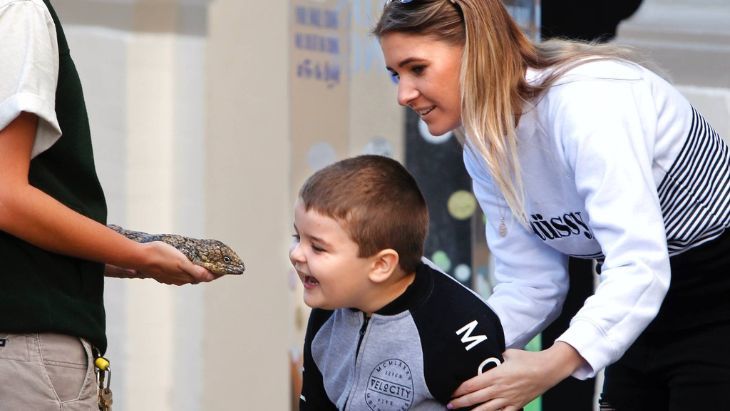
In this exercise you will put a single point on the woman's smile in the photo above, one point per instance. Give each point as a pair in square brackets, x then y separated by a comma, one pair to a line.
[423, 112]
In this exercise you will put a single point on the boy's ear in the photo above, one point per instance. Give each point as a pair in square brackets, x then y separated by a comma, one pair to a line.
[385, 262]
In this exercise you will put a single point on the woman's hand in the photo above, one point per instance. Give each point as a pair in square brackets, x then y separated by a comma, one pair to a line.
[521, 378]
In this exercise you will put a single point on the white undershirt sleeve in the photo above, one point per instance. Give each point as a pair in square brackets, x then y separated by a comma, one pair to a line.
[29, 68]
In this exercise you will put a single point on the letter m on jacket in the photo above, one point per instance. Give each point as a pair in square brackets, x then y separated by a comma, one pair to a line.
[468, 338]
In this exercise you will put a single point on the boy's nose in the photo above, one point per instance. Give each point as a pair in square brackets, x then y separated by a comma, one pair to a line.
[295, 254]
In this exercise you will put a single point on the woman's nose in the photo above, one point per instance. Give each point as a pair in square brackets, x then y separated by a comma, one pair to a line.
[406, 93]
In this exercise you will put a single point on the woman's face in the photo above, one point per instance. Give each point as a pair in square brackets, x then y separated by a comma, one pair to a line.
[427, 71]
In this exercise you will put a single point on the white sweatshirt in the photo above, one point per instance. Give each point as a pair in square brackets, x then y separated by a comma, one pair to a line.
[610, 155]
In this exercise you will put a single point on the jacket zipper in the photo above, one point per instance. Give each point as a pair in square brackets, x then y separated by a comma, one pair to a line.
[363, 330]
[362, 334]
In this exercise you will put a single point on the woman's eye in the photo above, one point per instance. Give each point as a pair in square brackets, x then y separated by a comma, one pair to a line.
[395, 77]
[295, 237]
[418, 69]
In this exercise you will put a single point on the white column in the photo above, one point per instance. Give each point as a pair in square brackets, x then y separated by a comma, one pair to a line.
[101, 60]
[145, 97]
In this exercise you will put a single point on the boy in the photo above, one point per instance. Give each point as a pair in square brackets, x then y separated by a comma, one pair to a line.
[387, 331]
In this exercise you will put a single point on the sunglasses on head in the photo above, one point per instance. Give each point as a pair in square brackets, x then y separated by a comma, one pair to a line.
[411, 1]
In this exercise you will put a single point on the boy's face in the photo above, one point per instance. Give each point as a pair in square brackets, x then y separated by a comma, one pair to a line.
[326, 260]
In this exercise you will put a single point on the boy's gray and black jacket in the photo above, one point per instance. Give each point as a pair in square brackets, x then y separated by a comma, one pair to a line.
[410, 355]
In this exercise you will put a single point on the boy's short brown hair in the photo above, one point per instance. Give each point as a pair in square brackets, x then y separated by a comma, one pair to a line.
[378, 203]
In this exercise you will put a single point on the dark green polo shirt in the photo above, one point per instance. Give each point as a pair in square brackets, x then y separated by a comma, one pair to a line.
[42, 291]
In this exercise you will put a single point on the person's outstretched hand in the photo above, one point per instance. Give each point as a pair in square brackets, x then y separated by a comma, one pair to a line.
[521, 378]
[165, 264]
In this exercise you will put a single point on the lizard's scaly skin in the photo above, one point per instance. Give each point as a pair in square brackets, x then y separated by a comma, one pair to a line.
[217, 257]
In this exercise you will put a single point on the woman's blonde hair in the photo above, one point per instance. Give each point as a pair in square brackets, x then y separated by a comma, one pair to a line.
[494, 90]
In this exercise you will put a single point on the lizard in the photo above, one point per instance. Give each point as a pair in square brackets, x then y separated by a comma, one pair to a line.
[214, 255]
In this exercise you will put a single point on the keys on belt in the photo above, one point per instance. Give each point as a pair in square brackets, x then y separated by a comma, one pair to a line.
[104, 377]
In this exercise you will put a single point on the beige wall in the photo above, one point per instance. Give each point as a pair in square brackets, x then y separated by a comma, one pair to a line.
[376, 121]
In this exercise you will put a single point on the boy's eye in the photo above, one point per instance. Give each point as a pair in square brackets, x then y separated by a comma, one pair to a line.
[317, 248]
[295, 237]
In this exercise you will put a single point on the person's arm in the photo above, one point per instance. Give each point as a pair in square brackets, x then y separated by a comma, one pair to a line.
[28, 77]
[531, 283]
[39, 219]
[530, 277]
[522, 377]
[608, 143]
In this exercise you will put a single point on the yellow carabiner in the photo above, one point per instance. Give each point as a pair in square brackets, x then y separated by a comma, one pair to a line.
[101, 363]
[104, 376]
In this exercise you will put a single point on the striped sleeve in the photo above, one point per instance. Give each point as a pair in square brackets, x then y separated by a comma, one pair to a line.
[695, 193]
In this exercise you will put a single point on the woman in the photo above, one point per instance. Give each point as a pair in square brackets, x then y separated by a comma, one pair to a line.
[574, 150]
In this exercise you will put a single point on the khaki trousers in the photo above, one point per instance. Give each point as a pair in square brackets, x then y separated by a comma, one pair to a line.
[46, 372]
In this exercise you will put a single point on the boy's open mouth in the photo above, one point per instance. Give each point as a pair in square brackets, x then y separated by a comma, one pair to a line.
[310, 281]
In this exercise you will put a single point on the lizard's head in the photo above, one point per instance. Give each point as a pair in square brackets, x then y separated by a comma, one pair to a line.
[220, 259]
